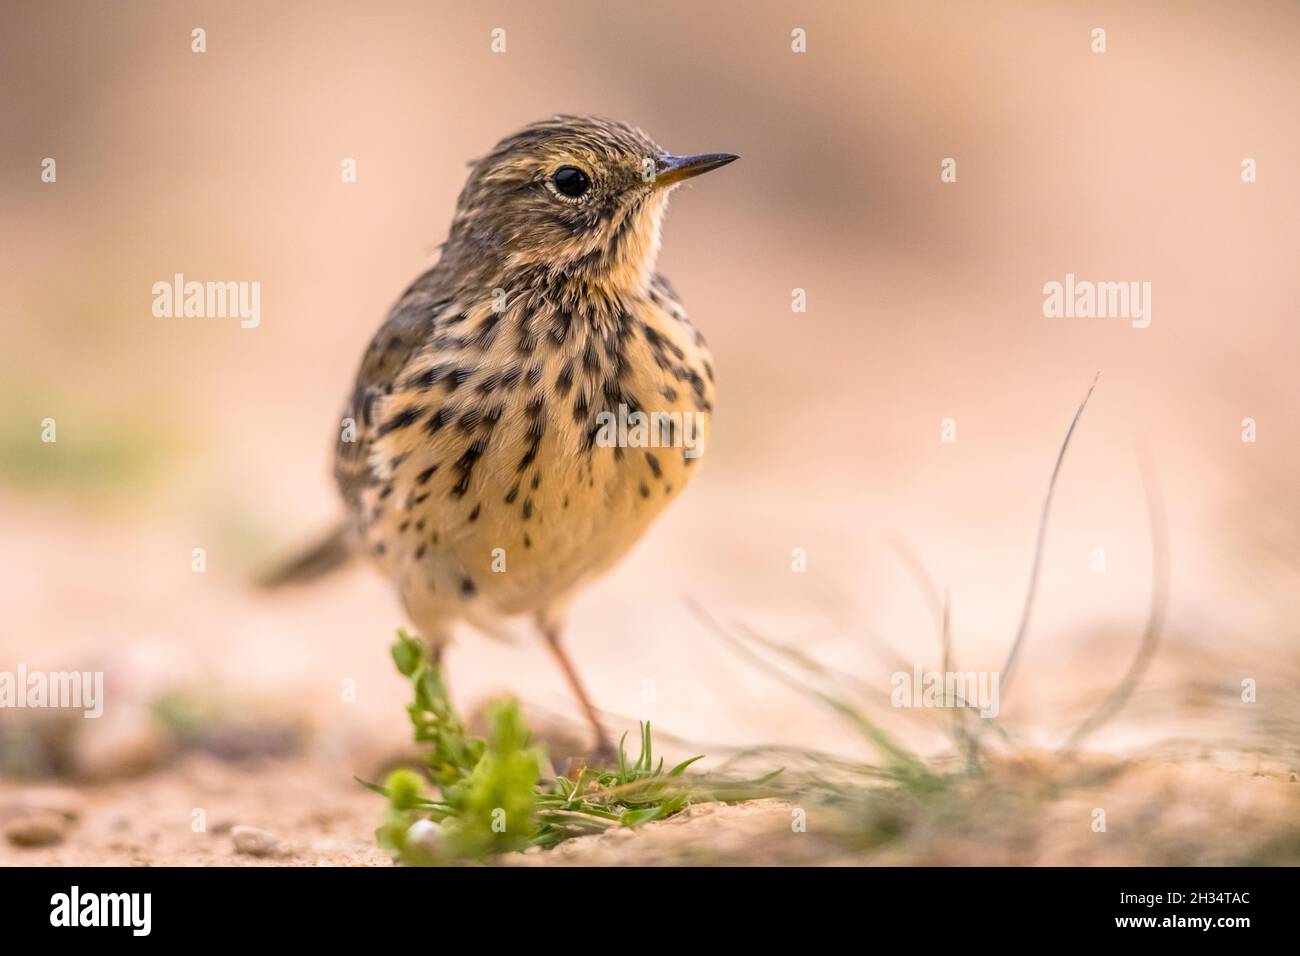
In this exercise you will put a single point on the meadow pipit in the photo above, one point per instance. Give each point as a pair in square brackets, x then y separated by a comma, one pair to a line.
[536, 398]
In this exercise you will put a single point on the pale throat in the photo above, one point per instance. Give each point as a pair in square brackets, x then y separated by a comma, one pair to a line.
[627, 269]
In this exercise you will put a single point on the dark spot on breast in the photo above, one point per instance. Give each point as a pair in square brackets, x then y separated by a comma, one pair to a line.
[537, 481]
[528, 542]
[512, 494]
[473, 515]
[564, 381]
[425, 475]
[653, 462]
[469, 421]
[529, 456]
[467, 588]
[645, 490]
[423, 381]
[407, 416]
[472, 454]
[561, 322]
[528, 508]
[421, 551]
[419, 526]
[697, 383]
[439, 418]
[487, 330]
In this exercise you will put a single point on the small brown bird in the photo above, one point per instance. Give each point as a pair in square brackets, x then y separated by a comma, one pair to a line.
[535, 399]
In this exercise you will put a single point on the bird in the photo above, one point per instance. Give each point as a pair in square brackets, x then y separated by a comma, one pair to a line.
[484, 457]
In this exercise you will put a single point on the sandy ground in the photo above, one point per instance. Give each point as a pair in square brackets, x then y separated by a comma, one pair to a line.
[184, 817]
[1157, 812]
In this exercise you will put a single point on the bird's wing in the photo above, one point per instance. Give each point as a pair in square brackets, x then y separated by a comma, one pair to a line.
[408, 327]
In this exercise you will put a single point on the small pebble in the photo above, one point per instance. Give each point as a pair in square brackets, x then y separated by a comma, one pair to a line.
[37, 828]
[253, 842]
[127, 742]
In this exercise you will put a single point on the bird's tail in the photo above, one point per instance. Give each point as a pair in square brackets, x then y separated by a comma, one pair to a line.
[327, 554]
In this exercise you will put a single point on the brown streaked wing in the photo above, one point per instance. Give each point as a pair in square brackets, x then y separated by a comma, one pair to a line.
[408, 327]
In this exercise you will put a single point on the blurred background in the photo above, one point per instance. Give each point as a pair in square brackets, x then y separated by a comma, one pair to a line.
[924, 303]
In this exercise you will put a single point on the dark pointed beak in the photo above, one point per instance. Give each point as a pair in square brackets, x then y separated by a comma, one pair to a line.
[670, 170]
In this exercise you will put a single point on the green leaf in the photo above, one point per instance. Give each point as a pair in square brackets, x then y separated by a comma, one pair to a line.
[680, 769]
[632, 818]
[407, 654]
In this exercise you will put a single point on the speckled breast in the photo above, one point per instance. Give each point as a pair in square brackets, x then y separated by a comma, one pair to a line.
[524, 450]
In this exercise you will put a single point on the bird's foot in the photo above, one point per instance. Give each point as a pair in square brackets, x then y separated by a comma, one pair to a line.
[605, 754]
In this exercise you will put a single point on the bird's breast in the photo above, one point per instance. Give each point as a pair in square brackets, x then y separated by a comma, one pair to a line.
[524, 448]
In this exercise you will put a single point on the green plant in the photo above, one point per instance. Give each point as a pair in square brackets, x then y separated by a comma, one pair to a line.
[491, 797]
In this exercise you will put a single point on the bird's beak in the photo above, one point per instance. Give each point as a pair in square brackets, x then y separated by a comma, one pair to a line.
[670, 170]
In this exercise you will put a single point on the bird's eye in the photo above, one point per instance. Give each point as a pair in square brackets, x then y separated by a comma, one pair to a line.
[571, 181]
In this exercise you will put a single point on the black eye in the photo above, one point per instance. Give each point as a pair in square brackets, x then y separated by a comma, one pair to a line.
[571, 181]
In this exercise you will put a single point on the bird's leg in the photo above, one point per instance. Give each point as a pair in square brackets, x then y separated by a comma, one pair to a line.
[435, 636]
[604, 746]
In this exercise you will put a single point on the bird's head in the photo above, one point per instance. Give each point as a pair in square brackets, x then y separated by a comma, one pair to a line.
[576, 197]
